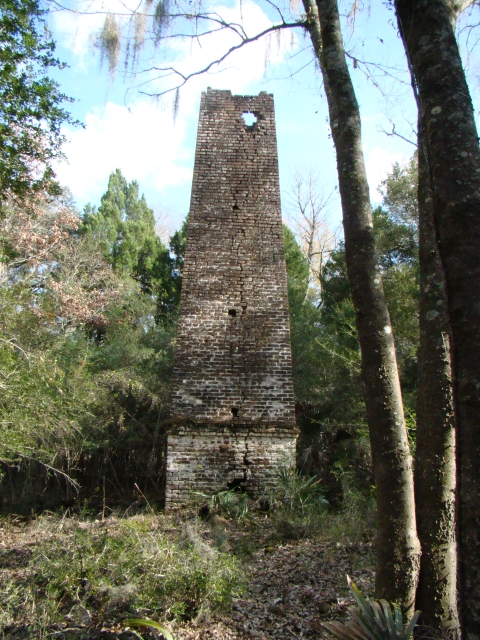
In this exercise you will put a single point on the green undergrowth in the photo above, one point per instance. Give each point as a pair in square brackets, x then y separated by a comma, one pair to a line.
[296, 509]
[108, 571]
[345, 526]
[85, 573]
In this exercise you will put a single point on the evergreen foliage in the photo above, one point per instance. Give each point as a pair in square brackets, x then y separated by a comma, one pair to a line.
[124, 227]
[397, 245]
[177, 253]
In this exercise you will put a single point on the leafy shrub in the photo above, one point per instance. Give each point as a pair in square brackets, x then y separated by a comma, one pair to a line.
[85, 358]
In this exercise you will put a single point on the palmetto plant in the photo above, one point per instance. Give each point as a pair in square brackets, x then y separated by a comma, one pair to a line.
[299, 493]
[153, 626]
[232, 503]
[372, 620]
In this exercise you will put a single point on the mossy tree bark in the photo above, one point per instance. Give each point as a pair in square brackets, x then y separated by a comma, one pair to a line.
[398, 549]
[435, 446]
[454, 160]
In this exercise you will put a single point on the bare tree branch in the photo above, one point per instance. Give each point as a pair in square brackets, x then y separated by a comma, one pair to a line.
[395, 133]
[14, 345]
[55, 471]
[169, 71]
[309, 207]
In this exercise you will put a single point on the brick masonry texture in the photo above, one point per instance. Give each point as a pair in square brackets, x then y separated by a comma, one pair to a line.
[211, 459]
[232, 394]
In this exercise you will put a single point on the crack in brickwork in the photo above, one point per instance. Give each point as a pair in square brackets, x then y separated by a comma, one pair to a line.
[232, 371]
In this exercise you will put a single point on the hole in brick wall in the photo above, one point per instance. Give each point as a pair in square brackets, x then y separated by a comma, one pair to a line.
[249, 118]
[232, 312]
[235, 207]
[234, 412]
[236, 483]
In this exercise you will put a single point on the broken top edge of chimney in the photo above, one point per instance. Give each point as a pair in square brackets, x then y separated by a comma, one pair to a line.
[228, 92]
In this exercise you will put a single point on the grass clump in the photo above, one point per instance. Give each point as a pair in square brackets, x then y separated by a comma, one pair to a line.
[110, 571]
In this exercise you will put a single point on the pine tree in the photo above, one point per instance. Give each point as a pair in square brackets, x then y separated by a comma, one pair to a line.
[124, 227]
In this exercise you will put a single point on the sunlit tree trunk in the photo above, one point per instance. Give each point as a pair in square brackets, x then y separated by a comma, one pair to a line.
[398, 549]
[435, 446]
[454, 161]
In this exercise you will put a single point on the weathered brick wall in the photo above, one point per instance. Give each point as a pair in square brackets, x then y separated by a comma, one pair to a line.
[232, 361]
[212, 459]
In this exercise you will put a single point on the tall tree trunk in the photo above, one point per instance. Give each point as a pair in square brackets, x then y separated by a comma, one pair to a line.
[454, 159]
[398, 549]
[435, 450]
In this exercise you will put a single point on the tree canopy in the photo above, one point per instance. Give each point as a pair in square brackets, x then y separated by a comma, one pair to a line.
[31, 103]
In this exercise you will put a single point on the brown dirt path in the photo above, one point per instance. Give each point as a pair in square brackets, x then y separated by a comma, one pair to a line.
[291, 589]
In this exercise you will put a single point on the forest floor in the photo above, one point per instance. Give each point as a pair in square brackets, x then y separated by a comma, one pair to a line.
[268, 578]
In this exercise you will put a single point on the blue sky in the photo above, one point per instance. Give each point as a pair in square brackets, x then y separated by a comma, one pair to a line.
[138, 134]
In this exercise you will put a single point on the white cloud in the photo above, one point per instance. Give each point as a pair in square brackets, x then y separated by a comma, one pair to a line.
[142, 141]
[378, 165]
[246, 65]
[77, 31]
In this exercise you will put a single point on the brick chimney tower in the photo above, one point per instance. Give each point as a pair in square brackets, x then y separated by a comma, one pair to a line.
[233, 416]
